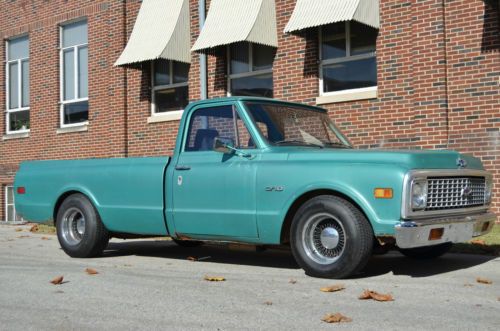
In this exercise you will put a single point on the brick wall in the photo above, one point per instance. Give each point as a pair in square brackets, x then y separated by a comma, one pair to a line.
[438, 81]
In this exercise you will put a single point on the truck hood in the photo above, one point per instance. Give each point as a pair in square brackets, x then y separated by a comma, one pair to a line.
[410, 159]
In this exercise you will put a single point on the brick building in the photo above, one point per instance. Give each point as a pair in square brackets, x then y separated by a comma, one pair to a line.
[393, 74]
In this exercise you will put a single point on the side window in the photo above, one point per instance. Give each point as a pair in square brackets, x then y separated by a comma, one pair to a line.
[206, 124]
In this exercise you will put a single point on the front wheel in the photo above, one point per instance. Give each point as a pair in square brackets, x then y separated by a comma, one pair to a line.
[79, 228]
[426, 253]
[330, 237]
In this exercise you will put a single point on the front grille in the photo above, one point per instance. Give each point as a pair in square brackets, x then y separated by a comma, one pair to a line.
[455, 192]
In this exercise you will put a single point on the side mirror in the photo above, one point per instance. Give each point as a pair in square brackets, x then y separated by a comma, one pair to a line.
[224, 145]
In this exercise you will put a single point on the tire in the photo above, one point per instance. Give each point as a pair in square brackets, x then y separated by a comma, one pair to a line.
[426, 253]
[330, 238]
[79, 228]
[188, 243]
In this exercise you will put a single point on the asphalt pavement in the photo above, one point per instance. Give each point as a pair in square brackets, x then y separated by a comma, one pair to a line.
[151, 284]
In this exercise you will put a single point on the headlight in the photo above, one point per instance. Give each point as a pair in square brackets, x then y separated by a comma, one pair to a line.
[488, 193]
[419, 194]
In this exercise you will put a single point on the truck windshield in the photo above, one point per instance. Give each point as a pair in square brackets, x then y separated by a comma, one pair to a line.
[285, 125]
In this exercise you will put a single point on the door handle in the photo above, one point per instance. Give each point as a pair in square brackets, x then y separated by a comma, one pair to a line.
[182, 168]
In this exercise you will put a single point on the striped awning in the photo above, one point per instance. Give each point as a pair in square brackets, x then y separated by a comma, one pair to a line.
[313, 13]
[161, 31]
[232, 21]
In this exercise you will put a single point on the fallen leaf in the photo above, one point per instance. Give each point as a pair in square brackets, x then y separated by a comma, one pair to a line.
[191, 258]
[23, 236]
[478, 242]
[268, 303]
[292, 281]
[333, 288]
[367, 294]
[34, 228]
[483, 281]
[57, 280]
[214, 278]
[19, 229]
[45, 238]
[91, 271]
[336, 318]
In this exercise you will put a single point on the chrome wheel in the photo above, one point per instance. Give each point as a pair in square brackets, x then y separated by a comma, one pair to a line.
[323, 238]
[73, 226]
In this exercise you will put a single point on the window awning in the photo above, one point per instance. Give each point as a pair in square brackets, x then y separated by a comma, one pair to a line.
[313, 13]
[230, 21]
[161, 31]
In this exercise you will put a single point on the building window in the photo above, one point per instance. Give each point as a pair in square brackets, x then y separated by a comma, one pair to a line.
[170, 86]
[348, 57]
[74, 74]
[250, 70]
[10, 210]
[18, 85]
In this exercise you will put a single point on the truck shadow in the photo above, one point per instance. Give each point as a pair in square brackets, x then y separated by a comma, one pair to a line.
[392, 262]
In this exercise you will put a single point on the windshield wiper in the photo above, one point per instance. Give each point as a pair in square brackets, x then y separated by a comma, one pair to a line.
[296, 142]
[339, 145]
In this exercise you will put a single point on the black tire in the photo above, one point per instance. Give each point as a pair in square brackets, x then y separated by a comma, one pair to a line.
[77, 237]
[426, 253]
[330, 238]
[187, 243]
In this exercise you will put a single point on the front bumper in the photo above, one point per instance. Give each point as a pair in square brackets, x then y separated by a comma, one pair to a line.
[416, 233]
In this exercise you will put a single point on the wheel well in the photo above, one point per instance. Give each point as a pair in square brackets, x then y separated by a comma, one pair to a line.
[60, 201]
[285, 229]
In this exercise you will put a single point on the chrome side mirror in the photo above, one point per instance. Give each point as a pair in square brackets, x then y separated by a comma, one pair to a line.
[224, 145]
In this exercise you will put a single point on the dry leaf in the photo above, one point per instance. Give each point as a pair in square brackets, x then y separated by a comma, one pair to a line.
[191, 258]
[91, 271]
[367, 294]
[484, 281]
[57, 280]
[214, 279]
[19, 229]
[45, 238]
[292, 281]
[333, 288]
[34, 228]
[23, 236]
[336, 318]
[478, 242]
[268, 303]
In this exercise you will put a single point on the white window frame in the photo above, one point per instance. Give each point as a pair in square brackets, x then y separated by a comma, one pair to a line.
[250, 72]
[20, 108]
[7, 204]
[171, 114]
[75, 74]
[347, 58]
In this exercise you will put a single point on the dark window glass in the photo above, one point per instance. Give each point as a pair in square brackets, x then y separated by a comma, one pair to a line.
[206, 124]
[19, 120]
[261, 85]
[239, 58]
[263, 57]
[363, 38]
[181, 72]
[76, 112]
[333, 41]
[162, 72]
[171, 99]
[350, 75]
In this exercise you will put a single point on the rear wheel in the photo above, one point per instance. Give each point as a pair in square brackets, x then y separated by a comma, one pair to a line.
[429, 252]
[79, 228]
[330, 237]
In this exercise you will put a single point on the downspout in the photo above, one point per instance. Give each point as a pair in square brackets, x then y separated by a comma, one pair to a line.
[203, 57]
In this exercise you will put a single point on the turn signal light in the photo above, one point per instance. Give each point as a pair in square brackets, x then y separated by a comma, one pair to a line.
[436, 234]
[383, 193]
[21, 190]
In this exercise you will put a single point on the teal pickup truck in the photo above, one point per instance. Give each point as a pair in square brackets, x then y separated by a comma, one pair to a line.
[265, 172]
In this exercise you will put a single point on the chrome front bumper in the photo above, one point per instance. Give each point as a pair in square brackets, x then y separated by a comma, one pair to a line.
[415, 233]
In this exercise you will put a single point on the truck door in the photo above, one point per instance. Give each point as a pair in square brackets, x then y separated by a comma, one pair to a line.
[214, 193]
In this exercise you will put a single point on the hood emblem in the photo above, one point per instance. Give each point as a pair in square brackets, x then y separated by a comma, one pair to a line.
[461, 163]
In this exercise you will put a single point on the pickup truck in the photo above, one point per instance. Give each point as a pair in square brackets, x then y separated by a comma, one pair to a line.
[265, 172]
